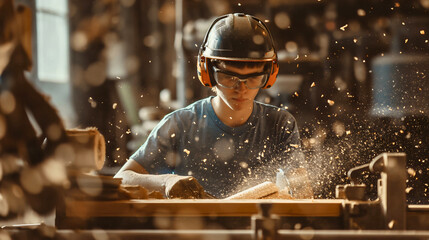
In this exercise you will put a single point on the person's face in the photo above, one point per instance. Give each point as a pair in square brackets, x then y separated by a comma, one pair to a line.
[239, 97]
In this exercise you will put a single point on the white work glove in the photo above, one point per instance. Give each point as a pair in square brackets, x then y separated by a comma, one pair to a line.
[184, 187]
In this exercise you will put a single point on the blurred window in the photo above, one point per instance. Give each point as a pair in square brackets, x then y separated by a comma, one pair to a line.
[52, 40]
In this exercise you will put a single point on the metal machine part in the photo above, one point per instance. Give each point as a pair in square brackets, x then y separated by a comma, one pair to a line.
[264, 225]
[391, 203]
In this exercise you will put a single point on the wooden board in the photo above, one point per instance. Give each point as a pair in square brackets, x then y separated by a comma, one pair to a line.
[219, 208]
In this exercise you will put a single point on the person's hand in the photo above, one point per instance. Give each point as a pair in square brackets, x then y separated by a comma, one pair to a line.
[183, 187]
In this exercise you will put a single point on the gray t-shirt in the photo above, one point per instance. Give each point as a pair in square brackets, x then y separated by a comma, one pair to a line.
[225, 160]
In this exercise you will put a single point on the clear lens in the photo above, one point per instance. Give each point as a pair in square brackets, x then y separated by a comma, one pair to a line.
[256, 82]
[230, 81]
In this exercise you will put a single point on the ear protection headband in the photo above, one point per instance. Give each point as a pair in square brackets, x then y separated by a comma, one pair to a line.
[204, 65]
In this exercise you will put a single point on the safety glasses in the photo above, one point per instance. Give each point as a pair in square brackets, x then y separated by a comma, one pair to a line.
[230, 80]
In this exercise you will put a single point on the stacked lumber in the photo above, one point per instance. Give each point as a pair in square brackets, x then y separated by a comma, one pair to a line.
[86, 186]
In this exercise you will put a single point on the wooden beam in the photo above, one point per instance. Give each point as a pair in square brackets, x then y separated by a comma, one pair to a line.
[224, 208]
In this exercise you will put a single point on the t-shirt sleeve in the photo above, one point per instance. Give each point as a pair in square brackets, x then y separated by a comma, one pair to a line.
[158, 154]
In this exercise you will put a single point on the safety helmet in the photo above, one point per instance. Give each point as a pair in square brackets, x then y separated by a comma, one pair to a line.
[237, 37]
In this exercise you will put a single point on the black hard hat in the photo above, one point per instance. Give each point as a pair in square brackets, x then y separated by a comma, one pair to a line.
[238, 37]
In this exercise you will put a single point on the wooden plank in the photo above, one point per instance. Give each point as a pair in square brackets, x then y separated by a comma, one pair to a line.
[224, 208]
[418, 208]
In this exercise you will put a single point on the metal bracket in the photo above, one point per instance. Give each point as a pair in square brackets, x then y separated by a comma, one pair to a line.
[391, 188]
[265, 225]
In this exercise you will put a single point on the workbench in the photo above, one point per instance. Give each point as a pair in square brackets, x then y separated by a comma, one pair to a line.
[131, 214]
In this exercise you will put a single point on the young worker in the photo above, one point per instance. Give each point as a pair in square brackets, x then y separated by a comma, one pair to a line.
[224, 143]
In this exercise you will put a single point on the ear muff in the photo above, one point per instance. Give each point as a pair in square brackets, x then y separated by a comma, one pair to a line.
[273, 74]
[203, 71]
[203, 62]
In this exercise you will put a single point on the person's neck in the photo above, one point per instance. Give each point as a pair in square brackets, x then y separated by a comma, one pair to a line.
[230, 117]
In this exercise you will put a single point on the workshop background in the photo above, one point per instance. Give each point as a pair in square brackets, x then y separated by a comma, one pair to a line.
[354, 73]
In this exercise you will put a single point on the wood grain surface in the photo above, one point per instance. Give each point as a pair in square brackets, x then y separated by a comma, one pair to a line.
[136, 208]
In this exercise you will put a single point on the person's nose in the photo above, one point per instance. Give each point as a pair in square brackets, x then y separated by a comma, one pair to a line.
[240, 86]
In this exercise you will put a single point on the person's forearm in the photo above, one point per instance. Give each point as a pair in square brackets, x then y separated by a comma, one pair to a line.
[149, 181]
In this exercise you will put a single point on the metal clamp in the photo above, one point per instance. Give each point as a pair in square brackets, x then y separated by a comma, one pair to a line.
[265, 225]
